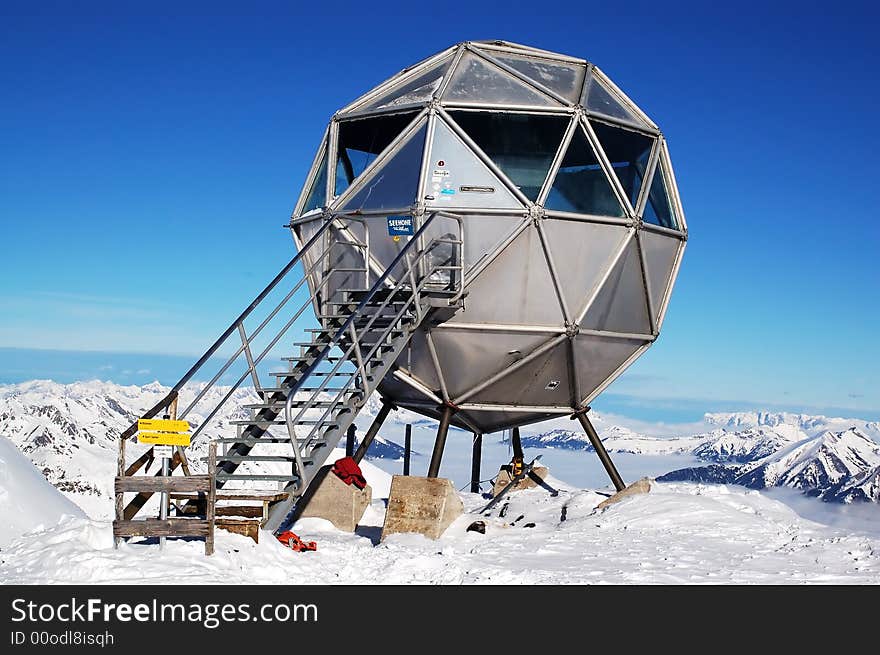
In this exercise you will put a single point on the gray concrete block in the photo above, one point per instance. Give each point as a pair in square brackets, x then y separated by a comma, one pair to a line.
[642, 486]
[341, 504]
[422, 505]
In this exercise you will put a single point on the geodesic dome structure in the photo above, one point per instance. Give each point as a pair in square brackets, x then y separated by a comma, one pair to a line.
[572, 224]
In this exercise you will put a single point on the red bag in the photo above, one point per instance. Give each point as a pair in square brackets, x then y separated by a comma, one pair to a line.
[293, 542]
[349, 472]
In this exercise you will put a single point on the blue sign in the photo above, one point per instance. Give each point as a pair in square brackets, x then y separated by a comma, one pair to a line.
[400, 226]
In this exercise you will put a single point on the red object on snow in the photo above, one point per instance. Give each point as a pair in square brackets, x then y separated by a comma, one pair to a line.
[292, 541]
[349, 472]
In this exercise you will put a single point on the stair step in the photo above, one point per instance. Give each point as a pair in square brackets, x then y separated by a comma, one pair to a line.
[261, 423]
[252, 441]
[281, 404]
[261, 458]
[249, 477]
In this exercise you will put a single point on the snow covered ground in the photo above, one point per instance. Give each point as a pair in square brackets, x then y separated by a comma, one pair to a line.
[678, 533]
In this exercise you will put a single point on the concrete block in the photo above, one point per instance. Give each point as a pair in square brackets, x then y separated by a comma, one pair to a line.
[423, 505]
[341, 504]
[527, 482]
[642, 486]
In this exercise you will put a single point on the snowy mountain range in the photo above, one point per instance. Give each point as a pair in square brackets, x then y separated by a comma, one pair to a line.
[834, 459]
[834, 466]
[70, 432]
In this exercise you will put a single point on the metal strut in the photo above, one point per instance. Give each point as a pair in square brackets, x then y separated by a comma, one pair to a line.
[440, 442]
[581, 416]
[374, 430]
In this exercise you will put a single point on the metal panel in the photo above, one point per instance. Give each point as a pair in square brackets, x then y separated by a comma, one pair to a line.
[622, 304]
[454, 168]
[544, 381]
[599, 357]
[515, 288]
[582, 252]
[477, 80]
[483, 234]
[468, 357]
[659, 253]
[419, 362]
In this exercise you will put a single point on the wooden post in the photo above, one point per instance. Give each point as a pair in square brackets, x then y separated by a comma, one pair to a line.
[172, 414]
[407, 448]
[120, 471]
[212, 498]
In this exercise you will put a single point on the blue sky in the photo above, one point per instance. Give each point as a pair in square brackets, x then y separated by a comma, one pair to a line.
[142, 153]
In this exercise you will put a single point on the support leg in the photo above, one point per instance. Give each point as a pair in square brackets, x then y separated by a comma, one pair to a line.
[440, 443]
[407, 448]
[581, 416]
[476, 454]
[349, 440]
[373, 431]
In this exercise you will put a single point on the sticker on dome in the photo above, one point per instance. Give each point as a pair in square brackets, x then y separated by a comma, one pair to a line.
[447, 192]
[400, 226]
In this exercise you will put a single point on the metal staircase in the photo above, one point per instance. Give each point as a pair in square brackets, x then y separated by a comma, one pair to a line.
[366, 318]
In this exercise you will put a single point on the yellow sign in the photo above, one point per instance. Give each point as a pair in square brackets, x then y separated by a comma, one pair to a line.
[165, 438]
[162, 425]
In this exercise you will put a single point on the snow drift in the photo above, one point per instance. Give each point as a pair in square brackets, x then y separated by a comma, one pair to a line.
[27, 501]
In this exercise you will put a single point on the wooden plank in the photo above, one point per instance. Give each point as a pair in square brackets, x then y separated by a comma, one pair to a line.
[161, 528]
[212, 498]
[141, 499]
[244, 527]
[139, 463]
[120, 471]
[269, 497]
[250, 511]
[155, 484]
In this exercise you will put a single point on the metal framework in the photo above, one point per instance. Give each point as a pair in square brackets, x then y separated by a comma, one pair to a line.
[571, 242]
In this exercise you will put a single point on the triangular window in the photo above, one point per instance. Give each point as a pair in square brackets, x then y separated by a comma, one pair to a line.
[476, 80]
[318, 193]
[601, 100]
[658, 208]
[581, 185]
[628, 153]
[361, 141]
[522, 145]
[565, 79]
[395, 184]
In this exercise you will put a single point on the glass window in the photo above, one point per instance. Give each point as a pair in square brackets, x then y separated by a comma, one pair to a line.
[658, 209]
[521, 145]
[361, 141]
[476, 80]
[318, 193]
[603, 101]
[628, 153]
[581, 185]
[565, 79]
[420, 89]
[395, 184]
